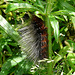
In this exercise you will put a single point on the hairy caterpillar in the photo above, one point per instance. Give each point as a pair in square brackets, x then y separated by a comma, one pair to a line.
[34, 39]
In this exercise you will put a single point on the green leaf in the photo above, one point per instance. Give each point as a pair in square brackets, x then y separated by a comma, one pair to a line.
[71, 56]
[66, 5]
[63, 12]
[55, 26]
[15, 0]
[60, 12]
[8, 29]
[55, 46]
[1, 47]
[38, 4]
[73, 21]
[60, 55]
[72, 44]
[12, 44]
[23, 67]
[26, 6]
[1, 1]
[60, 18]
[37, 13]
[3, 6]
[9, 49]
[71, 60]
[11, 63]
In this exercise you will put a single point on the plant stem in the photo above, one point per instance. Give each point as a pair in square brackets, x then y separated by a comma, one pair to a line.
[50, 70]
[47, 22]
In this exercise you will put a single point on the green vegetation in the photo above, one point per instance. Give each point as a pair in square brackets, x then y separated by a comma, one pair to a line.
[59, 18]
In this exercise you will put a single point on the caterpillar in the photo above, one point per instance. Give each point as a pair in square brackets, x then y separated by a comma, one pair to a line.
[34, 40]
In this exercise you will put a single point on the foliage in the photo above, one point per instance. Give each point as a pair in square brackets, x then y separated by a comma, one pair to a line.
[61, 17]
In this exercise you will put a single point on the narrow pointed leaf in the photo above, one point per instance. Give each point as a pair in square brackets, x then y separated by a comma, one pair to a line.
[9, 49]
[60, 12]
[8, 29]
[63, 12]
[26, 6]
[66, 5]
[55, 26]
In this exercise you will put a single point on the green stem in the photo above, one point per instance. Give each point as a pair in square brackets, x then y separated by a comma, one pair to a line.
[50, 67]
[47, 22]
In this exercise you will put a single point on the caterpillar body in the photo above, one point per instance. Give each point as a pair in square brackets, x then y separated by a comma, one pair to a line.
[42, 31]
